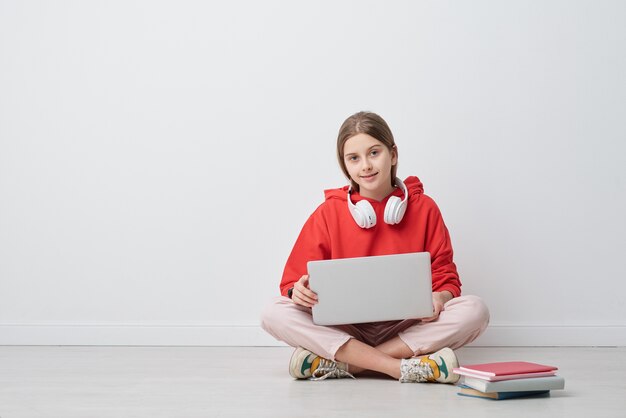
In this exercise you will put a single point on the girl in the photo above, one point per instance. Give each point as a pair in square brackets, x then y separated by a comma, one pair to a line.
[414, 350]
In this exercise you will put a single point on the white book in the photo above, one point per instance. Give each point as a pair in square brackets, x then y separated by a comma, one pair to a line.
[533, 383]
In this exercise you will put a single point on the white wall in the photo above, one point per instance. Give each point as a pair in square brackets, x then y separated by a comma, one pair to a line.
[157, 159]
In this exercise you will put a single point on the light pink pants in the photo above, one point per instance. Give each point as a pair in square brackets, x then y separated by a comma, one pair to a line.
[462, 321]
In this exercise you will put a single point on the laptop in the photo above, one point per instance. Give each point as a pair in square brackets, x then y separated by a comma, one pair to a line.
[371, 289]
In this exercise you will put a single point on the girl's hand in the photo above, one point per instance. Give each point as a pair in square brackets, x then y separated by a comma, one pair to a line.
[439, 300]
[302, 295]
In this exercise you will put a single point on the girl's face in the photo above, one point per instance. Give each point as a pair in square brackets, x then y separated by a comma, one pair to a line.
[369, 164]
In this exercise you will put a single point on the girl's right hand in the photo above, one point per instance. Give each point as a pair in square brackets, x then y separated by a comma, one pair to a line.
[302, 295]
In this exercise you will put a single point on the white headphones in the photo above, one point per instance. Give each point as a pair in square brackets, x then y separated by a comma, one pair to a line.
[364, 215]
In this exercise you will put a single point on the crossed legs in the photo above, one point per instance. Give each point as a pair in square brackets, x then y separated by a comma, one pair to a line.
[462, 321]
[385, 358]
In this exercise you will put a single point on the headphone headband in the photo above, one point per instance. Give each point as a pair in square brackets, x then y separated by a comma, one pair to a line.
[401, 184]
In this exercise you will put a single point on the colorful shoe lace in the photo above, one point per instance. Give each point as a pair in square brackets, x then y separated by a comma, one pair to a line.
[436, 367]
[307, 365]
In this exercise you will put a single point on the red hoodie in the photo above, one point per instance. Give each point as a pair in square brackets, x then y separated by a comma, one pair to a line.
[331, 232]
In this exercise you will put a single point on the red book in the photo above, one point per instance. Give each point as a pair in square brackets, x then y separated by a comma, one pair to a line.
[505, 368]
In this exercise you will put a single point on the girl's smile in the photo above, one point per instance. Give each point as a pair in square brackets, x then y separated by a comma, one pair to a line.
[368, 177]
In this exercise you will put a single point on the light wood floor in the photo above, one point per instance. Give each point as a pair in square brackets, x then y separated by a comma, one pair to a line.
[84, 382]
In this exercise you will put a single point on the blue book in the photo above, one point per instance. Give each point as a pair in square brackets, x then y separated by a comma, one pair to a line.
[467, 391]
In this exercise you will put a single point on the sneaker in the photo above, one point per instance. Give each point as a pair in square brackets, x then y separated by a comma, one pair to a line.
[307, 365]
[436, 367]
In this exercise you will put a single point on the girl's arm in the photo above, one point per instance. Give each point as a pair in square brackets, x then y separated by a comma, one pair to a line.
[438, 243]
[312, 244]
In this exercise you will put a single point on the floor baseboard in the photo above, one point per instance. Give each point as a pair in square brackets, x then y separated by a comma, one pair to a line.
[252, 335]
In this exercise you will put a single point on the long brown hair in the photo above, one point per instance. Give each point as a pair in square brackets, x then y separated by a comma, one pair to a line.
[365, 123]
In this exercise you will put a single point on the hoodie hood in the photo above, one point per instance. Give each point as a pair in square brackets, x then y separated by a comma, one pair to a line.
[412, 183]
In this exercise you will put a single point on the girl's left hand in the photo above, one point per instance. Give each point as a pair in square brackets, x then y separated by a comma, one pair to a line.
[439, 300]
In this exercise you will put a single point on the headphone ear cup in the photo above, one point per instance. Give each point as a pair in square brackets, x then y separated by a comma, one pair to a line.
[401, 211]
[391, 210]
[365, 211]
[396, 207]
[357, 216]
[394, 210]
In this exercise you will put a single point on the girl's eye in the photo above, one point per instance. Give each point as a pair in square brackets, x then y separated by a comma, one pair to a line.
[352, 158]
[374, 152]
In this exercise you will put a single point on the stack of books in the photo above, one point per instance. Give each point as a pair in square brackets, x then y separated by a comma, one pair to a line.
[506, 380]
